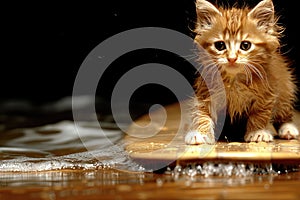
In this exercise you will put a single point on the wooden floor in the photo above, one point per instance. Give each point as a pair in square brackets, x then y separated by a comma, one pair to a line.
[160, 144]
[151, 141]
[113, 184]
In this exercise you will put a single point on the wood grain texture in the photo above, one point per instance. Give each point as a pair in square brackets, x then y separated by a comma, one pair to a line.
[150, 139]
[113, 184]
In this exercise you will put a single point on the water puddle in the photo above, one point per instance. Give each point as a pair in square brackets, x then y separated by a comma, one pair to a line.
[90, 145]
[59, 146]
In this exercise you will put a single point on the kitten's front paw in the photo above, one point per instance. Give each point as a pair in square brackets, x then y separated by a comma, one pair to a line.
[288, 131]
[259, 136]
[195, 137]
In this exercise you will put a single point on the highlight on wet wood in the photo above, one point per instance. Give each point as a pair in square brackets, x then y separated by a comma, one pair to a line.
[157, 139]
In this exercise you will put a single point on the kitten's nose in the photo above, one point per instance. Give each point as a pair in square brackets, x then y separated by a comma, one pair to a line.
[231, 60]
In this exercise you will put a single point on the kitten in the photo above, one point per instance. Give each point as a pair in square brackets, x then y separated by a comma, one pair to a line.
[244, 45]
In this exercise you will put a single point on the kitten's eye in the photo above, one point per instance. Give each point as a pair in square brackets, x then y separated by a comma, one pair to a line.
[245, 45]
[220, 45]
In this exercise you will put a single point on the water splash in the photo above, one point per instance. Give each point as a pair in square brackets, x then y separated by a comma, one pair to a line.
[230, 169]
[58, 146]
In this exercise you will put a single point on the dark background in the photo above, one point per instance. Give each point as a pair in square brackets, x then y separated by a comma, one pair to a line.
[44, 44]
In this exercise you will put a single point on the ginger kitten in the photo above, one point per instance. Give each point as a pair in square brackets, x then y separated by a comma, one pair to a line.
[244, 45]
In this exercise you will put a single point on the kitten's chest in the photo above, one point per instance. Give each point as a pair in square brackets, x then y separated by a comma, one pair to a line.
[239, 97]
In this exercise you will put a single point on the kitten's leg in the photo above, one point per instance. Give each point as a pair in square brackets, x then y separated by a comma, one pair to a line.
[288, 131]
[265, 135]
[202, 128]
[258, 128]
[203, 134]
[283, 120]
[283, 117]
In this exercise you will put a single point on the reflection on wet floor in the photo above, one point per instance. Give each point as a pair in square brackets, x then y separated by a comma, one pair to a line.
[108, 183]
[64, 160]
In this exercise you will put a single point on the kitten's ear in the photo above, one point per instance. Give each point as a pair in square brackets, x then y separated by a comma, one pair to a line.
[206, 13]
[263, 13]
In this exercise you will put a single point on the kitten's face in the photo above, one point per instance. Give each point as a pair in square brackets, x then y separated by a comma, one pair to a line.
[238, 40]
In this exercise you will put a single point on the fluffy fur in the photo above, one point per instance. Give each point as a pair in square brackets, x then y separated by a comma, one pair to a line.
[243, 44]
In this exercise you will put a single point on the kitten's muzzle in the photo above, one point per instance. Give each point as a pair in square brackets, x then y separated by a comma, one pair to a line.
[232, 60]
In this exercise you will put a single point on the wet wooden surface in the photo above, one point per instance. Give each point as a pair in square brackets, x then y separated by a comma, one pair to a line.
[152, 141]
[108, 183]
[113, 184]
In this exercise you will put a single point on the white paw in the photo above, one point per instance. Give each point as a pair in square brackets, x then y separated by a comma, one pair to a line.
[288, 131]
[195, 137]
[259, 136]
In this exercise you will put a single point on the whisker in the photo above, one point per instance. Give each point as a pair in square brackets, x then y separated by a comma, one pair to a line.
[256, 71]
[253, 63]
[248, 74]
[260, 72]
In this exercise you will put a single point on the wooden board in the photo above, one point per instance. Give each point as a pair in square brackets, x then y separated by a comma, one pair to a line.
[158, 144]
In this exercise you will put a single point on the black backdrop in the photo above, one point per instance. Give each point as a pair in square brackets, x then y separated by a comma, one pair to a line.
[43, 44]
